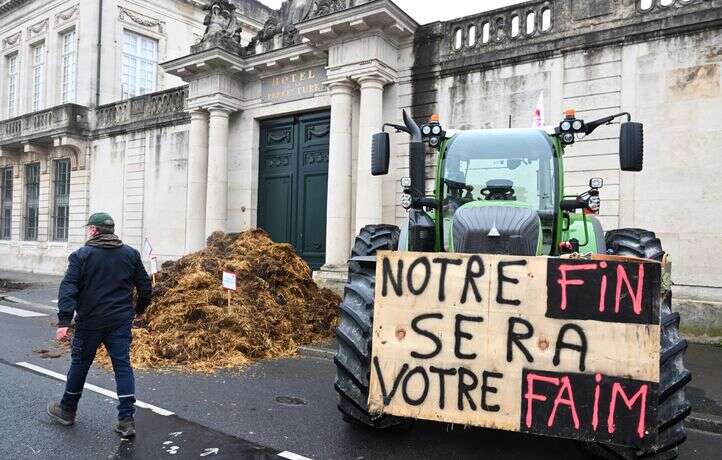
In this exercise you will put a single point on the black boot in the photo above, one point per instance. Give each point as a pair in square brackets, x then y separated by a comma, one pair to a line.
[60, 415]
[126, 427]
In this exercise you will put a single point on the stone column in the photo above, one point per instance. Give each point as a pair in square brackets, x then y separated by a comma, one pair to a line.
[217, 185]
[369, 193]
[338, 210]
[197, 176]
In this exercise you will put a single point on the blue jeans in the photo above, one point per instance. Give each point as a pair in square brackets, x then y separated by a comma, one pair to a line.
[85, 343]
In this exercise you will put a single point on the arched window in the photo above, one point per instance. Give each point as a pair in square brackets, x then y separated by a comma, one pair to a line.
[485, 33]
[666, 2]
[515, 26]
[530, 22]
[471, 36]
[458, 39]
[546, 19]
[646, 4]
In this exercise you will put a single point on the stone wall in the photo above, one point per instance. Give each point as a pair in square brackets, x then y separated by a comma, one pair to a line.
[138, 169]
[140, 178]
[660, 64]
[674, 89]
[669, 81]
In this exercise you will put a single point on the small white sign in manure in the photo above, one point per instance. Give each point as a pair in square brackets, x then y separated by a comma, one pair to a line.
[229, 281]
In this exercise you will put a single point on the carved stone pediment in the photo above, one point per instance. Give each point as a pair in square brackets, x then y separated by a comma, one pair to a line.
[129, 16]
[67, 15]
[12, 40]
[39, 28]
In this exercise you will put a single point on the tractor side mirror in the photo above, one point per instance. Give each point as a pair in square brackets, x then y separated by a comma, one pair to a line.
[631, 146]
[380, 154]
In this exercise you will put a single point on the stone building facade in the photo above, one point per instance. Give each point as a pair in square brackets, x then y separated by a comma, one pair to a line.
[64, 67]
[264, 118]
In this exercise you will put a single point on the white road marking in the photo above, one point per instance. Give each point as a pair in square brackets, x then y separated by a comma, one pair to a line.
[19, 312]
[30, 304]
[292, 456]
[96, 389]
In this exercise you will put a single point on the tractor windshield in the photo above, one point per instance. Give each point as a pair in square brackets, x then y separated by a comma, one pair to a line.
[500, 165]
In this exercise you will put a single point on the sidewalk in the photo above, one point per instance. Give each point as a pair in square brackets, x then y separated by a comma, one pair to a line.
[705, 390]
[41, 289]
[33, 278]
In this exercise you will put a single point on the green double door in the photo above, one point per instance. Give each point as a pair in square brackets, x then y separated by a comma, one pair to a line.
[293, 180]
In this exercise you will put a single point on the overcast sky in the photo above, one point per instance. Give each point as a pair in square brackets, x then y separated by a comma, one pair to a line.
[425, 11]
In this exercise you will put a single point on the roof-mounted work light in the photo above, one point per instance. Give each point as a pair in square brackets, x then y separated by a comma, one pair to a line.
[570, 127]
[433, 132]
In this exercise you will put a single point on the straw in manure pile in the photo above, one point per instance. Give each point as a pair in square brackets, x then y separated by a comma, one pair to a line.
[276, 308]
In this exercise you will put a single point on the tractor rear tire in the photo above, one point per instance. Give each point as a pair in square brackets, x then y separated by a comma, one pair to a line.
[354, 333]
[634, 242]
[673, 407]
[372, 239]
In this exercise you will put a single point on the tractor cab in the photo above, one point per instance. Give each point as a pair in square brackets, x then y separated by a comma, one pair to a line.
[501, 191]
[500, 178]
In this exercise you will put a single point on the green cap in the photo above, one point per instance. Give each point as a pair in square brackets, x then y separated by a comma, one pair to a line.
[101, 219]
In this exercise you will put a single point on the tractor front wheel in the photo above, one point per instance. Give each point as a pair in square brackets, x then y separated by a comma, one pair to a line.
[673, 407]
[353, 358]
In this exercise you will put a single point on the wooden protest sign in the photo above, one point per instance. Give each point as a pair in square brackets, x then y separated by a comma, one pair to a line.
[559, 347]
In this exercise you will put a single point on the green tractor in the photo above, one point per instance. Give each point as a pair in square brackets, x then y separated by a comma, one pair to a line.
[501, 191]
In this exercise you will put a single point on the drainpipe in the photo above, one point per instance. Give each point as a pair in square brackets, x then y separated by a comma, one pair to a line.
[100, 48]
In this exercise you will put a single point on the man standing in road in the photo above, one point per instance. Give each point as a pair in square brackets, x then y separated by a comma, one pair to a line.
[98, 289]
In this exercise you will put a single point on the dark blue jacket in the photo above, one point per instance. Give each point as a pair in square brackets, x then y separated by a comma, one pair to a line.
[98, 286]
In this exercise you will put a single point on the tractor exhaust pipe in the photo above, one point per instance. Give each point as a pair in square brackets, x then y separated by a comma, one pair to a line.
[417, 158]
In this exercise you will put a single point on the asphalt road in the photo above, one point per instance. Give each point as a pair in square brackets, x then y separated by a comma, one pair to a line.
[28, 433]
[285, 405]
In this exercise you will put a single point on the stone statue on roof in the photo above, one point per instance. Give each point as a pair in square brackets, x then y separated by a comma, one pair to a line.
[324, 7]
[222, 27]
[283, 21]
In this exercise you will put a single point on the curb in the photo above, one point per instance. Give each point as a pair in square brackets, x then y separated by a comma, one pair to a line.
[714, 340]
[317, 352]
[704, 422]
